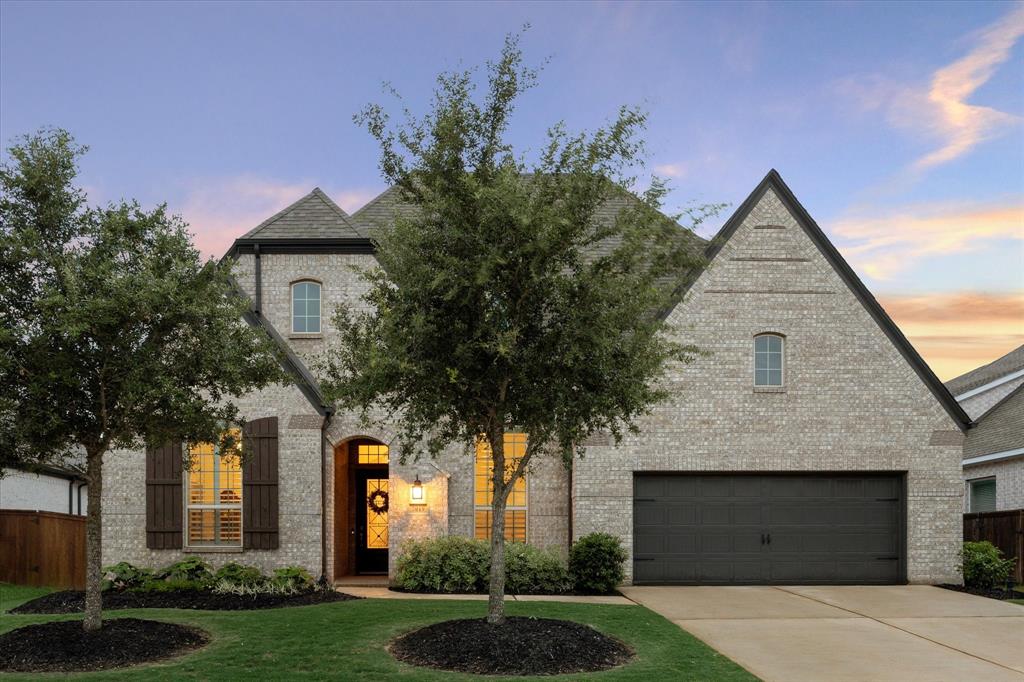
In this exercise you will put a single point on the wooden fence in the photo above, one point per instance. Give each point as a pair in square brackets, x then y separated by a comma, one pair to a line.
[1004, 529]
[42, 548]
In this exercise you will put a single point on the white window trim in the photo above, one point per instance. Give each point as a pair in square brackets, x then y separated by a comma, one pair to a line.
[970, 491]
[291, 309]
[769, 388]
[186, 506]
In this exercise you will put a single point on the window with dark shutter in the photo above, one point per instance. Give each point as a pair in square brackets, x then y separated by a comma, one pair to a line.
[259, 484]
[164, 496]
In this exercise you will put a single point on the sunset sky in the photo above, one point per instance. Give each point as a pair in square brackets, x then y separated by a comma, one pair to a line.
[899, 126]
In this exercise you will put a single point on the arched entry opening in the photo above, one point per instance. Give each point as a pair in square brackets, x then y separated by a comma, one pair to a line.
[361, 503]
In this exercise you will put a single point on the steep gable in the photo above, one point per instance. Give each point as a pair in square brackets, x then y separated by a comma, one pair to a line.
[314, 216]
[771, 248]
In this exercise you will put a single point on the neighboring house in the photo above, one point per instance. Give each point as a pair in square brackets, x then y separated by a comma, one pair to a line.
[46, 488]
[993, 397]
[811, 445]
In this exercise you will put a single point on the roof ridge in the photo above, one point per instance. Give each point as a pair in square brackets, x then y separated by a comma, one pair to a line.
[337, 209]
[981, 368]
[999, 403]
[280, 214]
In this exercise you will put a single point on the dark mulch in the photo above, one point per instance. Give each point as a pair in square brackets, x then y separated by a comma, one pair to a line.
[71, 601]
[63, 646]
[519, 646]
[990, 592]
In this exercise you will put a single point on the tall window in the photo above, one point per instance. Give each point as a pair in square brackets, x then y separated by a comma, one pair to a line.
[983, 495]
[306, 308]
[768, 360]
[515, 511]
[214, 496]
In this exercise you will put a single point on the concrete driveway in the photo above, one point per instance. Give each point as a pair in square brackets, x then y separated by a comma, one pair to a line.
[911, 632]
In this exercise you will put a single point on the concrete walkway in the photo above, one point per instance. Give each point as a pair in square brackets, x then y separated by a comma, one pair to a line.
[385, 593]
[894, 633]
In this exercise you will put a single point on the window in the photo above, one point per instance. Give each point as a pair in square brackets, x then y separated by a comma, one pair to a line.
[982, 495]
[306, 308]
[214, 496]
[369, 453]
[515, 511]
[768, 360]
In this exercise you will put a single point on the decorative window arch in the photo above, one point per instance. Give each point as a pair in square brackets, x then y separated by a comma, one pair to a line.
[306, 300]
[769, 360]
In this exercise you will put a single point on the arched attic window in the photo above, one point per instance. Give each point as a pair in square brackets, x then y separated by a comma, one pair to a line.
[306, 307]
[769, 360]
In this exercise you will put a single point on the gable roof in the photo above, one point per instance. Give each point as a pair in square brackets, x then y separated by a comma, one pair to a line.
[775, 182]
[314, 216]
[986, 374]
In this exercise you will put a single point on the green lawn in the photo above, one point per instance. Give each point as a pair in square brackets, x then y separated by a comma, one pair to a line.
[346, 640]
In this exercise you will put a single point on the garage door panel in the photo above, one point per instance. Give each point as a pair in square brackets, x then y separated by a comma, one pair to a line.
[768, 528]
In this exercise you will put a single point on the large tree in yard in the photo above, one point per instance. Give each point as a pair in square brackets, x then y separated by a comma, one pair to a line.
[522, 291]
[115, 333]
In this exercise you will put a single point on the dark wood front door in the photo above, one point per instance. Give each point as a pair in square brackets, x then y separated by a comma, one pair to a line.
[372, 499]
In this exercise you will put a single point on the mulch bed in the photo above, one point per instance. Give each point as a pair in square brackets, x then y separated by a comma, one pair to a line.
[70, 601]
[991, 593]
[519, 646]
[64, 646]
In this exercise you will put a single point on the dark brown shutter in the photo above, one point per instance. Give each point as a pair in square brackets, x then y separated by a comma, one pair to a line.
[163, 496]
[259, 484]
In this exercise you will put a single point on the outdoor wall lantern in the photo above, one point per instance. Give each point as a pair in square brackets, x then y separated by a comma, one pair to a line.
[417, 495]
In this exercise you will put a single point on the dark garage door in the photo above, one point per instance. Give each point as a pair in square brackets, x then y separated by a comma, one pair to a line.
[720, 529]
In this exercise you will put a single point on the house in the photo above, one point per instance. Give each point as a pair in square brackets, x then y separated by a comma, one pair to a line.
[60, 489]
[811, 445]
[993, 397]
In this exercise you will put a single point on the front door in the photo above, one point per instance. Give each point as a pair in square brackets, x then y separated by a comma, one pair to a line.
[372, 500]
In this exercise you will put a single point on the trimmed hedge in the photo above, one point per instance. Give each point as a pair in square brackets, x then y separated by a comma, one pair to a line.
[596, 563]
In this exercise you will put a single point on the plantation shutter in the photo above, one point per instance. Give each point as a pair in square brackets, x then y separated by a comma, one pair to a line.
[164, 496]
[259, 484]
[983, 495]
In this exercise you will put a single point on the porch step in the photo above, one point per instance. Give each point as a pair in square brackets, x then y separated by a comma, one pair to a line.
[362, 581]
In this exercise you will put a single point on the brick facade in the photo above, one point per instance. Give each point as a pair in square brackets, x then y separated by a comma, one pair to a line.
[851, 402]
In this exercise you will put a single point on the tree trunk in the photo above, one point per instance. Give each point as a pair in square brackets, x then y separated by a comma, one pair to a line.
[94, 544]
[496, 593]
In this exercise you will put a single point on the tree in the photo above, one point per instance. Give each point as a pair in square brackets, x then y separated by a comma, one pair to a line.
[115, 333]
[515, 295]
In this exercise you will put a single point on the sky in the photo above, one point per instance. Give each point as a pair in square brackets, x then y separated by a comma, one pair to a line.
[900, 126]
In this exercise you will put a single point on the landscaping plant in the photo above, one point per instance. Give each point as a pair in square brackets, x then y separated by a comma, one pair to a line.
[521, 291]
[449, 564]
[984, 566]
[123, 576]
[596, 563]
[532, 570]
[114, 333]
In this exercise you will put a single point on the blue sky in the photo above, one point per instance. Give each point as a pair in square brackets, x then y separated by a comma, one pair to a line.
[899, 126]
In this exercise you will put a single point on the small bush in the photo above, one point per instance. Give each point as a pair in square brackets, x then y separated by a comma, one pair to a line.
[191, 568]
[172, 585]
[253, 589]
[237, 574]
[292, 578]
[450, 564]
[983, 565]
[529, 570]
[596, 563]
[124, 576]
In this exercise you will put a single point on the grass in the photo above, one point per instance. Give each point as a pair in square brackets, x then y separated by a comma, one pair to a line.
[347, 640]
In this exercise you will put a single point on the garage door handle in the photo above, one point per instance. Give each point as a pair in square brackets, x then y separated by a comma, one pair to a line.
[886, 558]
[644, 499]
[887, 499]
[644, 558]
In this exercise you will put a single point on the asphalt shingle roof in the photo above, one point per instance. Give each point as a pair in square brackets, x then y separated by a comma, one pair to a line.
[1011, 362]
[999, 430]
[314, 216]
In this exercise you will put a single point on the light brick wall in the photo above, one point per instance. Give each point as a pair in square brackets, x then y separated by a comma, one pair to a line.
[1009, 475]
[851, 402]
[124, 493]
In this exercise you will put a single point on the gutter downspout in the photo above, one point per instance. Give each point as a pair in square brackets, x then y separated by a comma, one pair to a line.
[71, 495]
[259, 279]
[80, 486]
[328, 413]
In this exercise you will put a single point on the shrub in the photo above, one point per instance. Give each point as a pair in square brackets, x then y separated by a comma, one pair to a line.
[172, 585]
[983, 565]
[450, 564]
[191, 568]
[292, 578]
[253, 589]
[237, 574]
[530, 570]
[596, 563]
[123, 576]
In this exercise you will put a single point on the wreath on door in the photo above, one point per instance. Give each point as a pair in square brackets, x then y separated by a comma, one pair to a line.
[377, 501]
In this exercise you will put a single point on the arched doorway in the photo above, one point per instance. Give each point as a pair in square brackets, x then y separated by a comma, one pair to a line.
[361, 503]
